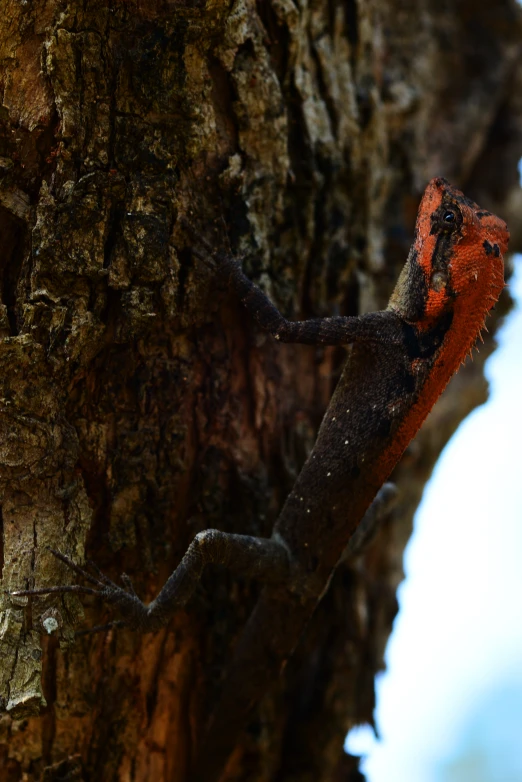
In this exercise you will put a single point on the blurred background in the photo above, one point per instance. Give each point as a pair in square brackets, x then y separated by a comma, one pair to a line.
[449, 707]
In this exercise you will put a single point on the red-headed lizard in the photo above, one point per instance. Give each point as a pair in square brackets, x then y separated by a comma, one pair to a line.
[401, 360]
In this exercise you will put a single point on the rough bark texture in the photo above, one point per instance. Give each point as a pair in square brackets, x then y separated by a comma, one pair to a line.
[139, 405]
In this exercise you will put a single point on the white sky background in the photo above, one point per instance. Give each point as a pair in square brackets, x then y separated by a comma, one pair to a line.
[450, 706]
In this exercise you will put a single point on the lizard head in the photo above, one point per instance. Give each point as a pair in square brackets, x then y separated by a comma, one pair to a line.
[455, 261]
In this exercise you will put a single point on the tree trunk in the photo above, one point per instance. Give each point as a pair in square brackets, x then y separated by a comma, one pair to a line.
[140, 405]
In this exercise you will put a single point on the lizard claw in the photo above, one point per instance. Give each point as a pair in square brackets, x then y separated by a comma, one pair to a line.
[128, 584]
[78, 588]
[131, 609]
[77, 569]
[129, 606]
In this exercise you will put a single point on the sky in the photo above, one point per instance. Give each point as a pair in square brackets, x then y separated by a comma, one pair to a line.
[449, 707]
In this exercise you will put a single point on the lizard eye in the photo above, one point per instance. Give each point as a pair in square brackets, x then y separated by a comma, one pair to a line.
[447, 218]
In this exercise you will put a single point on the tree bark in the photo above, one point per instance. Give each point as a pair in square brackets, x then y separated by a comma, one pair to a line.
[138, 402]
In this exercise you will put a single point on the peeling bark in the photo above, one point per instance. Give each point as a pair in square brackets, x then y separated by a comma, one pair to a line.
[138, 404]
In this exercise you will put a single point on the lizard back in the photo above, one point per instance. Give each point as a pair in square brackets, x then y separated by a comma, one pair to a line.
[452, 277]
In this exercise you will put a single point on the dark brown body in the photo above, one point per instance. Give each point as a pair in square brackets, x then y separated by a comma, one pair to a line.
[406, 355]
[346, 467]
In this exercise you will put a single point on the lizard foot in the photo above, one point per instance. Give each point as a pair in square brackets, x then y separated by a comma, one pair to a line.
[133, 612]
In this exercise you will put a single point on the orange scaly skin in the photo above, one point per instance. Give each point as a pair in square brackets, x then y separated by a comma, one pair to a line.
[400, 361]
[476, 280]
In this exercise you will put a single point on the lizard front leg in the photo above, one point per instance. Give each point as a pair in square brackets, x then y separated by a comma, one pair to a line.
[370, 327]
[256, 558]
[263, 559]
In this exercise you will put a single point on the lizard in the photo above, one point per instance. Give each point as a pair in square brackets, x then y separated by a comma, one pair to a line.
[400, 361]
